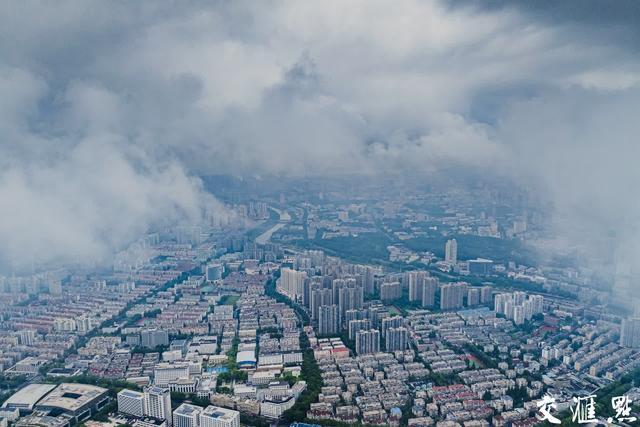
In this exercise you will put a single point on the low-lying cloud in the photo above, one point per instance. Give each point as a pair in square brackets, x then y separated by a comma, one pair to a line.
[110, 110]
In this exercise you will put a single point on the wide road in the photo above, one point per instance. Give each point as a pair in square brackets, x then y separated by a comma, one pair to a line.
[284, 219]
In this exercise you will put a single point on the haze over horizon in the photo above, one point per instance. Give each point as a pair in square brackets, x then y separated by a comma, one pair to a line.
[112, 112]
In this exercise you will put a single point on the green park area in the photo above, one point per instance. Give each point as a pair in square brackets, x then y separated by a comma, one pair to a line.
[229, 299]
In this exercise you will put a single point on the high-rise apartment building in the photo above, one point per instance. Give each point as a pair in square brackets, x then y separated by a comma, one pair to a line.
[187, 415]
[319, 297]
[27, 336]
[391, 322]
[310, 283]
[316, 257]
[374, 314]
[486, 295]
[397, 339]
[415, 283]
[358, 325]
[336, 285]
[518, 314]
[451, 251]
[473, 297]
[291, 283]
[518, 306]
[214, 416]
[328, 319]
[350, 297]
[499, 303]
[350, 315]
[452, 296]
[84, 324]
[630, 333]
[131, 402]
[157, 403]
[537, 302]
[368, 341]
[390, 291]
[519, 297]
[369, 280]
[429, 289]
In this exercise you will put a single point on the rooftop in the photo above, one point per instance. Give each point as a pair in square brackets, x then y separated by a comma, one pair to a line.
[187, 409]
[246, 356]
[130, 393]
[27, 397]
[71, 397]
[217, 412]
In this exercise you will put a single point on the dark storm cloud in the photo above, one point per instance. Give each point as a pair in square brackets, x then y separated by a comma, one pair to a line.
[619, 17]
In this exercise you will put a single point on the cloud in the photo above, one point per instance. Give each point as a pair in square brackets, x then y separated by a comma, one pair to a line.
[78, 190]
[606, 80]
[89, 203]
[148, 96]
[580, 145]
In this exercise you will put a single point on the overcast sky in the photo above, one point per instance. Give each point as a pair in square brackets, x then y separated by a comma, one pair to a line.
[110, 110]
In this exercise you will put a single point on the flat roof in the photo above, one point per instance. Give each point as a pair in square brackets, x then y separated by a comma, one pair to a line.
[28, 396]
[71, 397]
[218, 412]
[187, 409]
[130, 393]
[156, 389]
[246, 356]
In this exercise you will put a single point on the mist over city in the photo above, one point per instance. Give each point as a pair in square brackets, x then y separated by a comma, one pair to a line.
[415, 213]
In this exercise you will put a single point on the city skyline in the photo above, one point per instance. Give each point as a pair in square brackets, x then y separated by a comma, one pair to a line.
[307, 214]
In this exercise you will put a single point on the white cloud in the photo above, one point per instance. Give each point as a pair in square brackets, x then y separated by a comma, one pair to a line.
[148, 95]
[606, 80]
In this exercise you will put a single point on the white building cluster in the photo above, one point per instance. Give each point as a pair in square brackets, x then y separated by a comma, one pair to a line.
[518, 306]
[154, 406]
[291, 283]
[187, 415]
[154, 402]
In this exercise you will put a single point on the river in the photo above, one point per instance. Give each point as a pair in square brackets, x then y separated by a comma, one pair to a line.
[284, 219]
